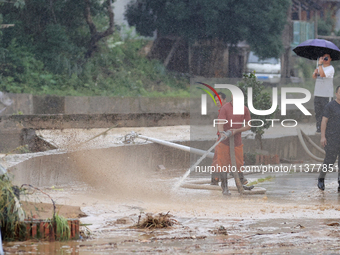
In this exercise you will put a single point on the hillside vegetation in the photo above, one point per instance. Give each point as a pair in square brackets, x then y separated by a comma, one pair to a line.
[58, 50]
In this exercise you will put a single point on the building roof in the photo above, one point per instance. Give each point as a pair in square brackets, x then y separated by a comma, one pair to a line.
[306, 5]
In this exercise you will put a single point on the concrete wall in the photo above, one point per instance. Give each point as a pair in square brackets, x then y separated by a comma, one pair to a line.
[22, 104]
[30, 105]
[27, 104]
[12, 127]
[61, 121]
[99, 166]
[288, 147]
[98, 105]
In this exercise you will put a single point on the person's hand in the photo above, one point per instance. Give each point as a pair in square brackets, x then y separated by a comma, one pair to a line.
[315, 72]
[323, 141]
[233, 131]
[321, 60]
[225, 135]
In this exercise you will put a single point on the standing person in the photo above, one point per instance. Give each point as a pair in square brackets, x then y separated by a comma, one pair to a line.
[223, 99]
[216, 176]
[330, 138]
[222, 150]
[323, 91]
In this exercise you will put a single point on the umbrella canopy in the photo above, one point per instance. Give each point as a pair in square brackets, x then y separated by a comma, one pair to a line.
[315, 48]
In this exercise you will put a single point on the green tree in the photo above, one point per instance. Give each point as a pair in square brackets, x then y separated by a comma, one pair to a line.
[16, 3]
[259, 22]
[326, 23]
[62, 34]
[261, 101]
[72, 48]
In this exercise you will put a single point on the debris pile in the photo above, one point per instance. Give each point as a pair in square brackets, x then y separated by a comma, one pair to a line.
[220, 231]
[160, 220]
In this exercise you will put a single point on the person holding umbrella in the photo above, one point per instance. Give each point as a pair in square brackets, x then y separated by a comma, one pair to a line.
[323, 91]
[324, 51]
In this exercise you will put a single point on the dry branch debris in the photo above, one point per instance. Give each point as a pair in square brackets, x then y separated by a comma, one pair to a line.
[149, 221]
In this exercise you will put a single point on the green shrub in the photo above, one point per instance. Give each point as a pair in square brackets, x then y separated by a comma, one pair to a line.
[117, 70]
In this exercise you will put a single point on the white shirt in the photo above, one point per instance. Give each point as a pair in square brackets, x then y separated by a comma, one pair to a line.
[324, 85]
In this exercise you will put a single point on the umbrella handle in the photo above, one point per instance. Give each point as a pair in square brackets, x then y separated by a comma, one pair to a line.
[317, 66]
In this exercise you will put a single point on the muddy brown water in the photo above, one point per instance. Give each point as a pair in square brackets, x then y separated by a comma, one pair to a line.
[275, 236]
[293, 217]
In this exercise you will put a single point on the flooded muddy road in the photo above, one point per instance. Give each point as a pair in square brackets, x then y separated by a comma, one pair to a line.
[293, 217]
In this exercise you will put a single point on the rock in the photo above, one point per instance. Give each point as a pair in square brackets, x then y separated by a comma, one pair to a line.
[124, 220]
[161, 168]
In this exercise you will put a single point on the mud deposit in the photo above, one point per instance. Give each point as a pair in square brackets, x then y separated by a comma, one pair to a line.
[294, 219]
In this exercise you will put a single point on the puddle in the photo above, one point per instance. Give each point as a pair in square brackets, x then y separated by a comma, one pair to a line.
[303, 236]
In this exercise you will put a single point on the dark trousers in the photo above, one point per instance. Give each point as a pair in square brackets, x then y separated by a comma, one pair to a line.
[332, 152]
[215, 176]
[319, 105]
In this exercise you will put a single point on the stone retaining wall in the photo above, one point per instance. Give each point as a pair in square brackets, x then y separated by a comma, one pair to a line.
[46, 104]
[27, 104]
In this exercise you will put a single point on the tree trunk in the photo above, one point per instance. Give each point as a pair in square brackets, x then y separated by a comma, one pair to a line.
[172, 52]
[258, 137]
[95, 35]
[190, 59]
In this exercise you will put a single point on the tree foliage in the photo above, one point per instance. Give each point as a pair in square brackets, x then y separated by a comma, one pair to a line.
[259, 22]
[16, 3]
[57, 32]
[326, 23]
[117, 70]
[50, 33]
[261, 101]
[71, 48]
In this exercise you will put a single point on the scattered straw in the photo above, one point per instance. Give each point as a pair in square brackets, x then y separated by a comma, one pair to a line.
[149, 221]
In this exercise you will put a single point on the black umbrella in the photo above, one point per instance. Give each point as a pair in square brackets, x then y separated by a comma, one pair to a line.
[315, 48]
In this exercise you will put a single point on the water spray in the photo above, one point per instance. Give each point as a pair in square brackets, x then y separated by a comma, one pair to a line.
[130, 138]
[179, 183]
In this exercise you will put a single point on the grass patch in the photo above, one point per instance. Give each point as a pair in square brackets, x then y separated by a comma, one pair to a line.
[10, 211]
[63, 231]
